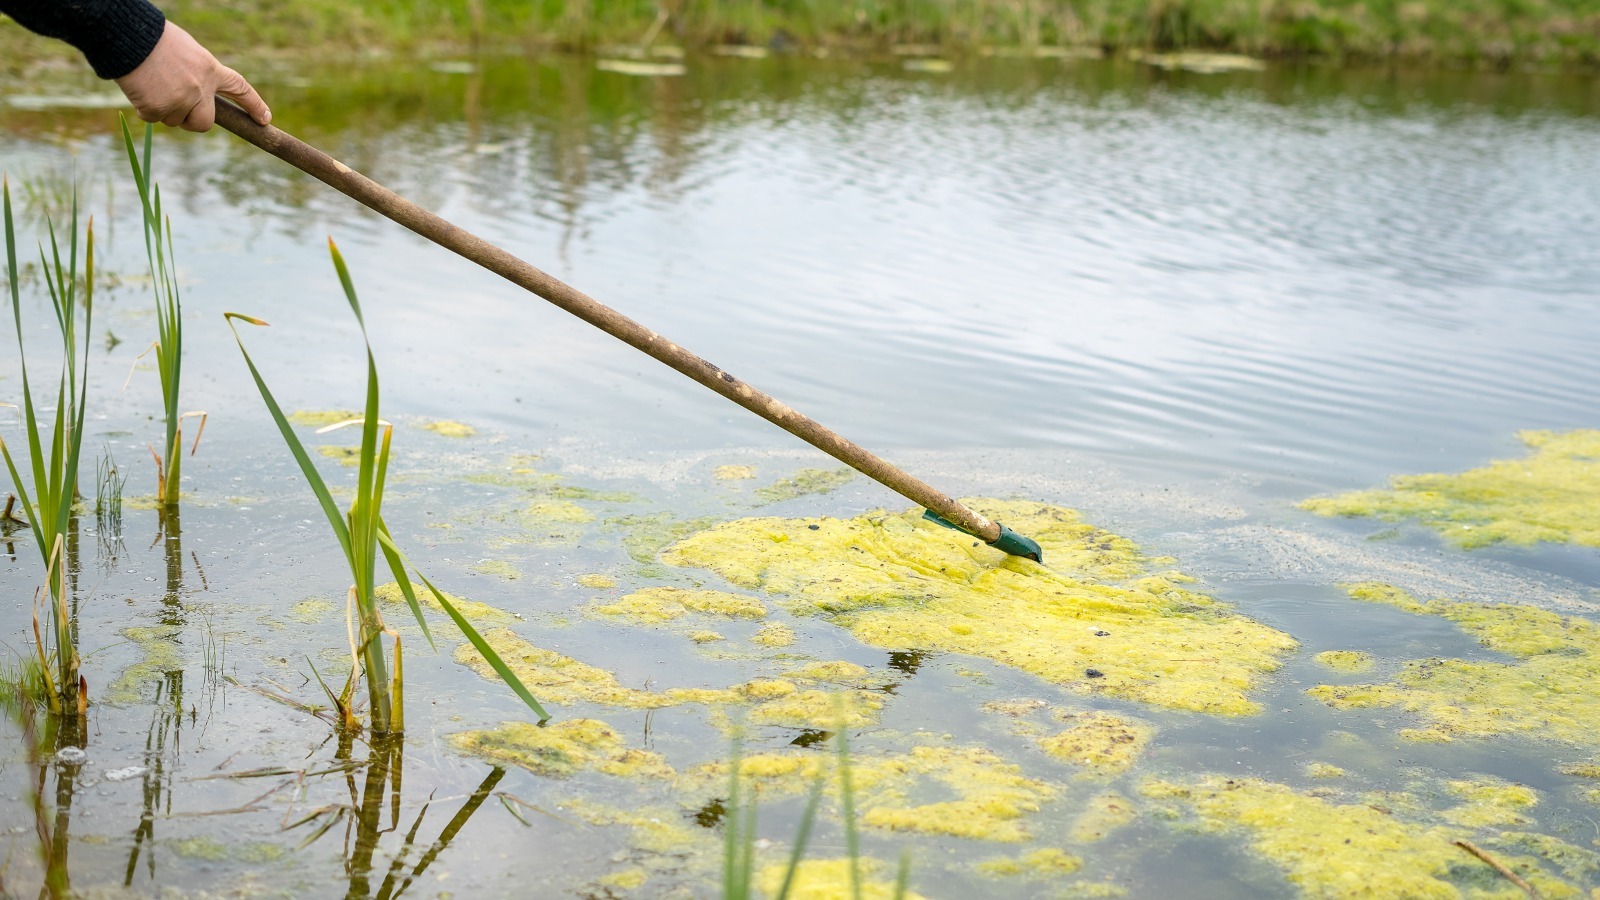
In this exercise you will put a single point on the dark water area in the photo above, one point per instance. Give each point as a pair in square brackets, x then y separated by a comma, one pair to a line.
[1179, 303]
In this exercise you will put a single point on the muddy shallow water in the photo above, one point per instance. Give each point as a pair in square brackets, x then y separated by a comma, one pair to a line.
[1178, 304]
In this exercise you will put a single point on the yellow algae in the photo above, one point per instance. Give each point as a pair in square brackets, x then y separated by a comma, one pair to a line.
[160, 654]
[733, 473]
[901, 583]
[1345, 660]
[1489, 801]
[774, 634]
[991, 796]
[626, 879]
[345, 456]
[311, 611]
[819, 709]
[563, 748]
[597, 581]
[499, 568]
[1577, 863]
[554, 520]
[554, 678]
[663, 604]
[321, 418]
[1106, 743]
[472, 609]
[562, 681]
[1045, 862]
[806, 481]
[1552, 495]
[1105, 813]
[830, 879]
[831, 672]
[1547, 692]
[1326, 849]
[1324, 770]
[705, 637]
[450, 429]
[654, 831]
[645, 536]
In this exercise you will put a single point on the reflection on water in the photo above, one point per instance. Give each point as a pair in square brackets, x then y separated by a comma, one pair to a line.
[1258, 271]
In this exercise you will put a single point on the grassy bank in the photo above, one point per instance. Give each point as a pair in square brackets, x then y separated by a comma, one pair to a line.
[1480, 33]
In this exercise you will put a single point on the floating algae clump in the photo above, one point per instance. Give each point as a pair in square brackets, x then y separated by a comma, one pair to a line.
[774, 634]
[901, 583]
[1046, 862]
[1327, 849]
[597, 581]
[829, 879]
[1105, 743]
[345, 456]
[563, 748]
[311, 611]
[1548, 692]
[663, 604]
[1553, 495]
[1345, 660]
[1104, 814]
[806, 481]
[991, 795]
[1361, 849]
[448, 428]
[498, 568]
[161, 655]
[321, 418]
[1490, 801]
[733, 473]
[472, 609]
[563, 681]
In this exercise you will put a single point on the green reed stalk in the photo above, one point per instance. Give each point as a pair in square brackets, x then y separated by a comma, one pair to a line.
[363, 536]
[53, 461]
[169, 316]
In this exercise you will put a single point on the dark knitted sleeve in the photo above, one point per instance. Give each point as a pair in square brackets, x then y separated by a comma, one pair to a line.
[114, 35]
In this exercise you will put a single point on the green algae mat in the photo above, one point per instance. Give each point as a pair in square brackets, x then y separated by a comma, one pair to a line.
[1015, 728]
[1549, 495]
[1126, 657]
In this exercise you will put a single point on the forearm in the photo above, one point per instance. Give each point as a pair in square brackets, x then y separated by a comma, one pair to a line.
[114, 35]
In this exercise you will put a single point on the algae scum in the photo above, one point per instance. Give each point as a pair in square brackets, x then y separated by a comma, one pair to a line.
[1019, 729]
[1015, 728]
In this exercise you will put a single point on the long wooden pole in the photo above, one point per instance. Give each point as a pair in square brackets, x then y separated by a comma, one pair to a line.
[387, 203]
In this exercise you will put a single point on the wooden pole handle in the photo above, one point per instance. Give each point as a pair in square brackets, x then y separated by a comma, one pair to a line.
[387, 203]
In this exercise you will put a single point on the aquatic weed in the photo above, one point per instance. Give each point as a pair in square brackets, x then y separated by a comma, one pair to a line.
[53, 462]
[169, 317]
[362, 535]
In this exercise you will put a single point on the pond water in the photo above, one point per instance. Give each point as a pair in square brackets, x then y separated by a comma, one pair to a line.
[1179, 304]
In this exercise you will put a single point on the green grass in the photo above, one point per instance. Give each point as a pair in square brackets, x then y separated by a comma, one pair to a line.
[363, 536]
[168, 346]
[53, 449]
[1483, 32]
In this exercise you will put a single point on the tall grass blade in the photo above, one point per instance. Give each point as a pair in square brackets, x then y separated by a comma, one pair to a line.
[161, 256]
[53, 456]
[363, 535]
[483, 648]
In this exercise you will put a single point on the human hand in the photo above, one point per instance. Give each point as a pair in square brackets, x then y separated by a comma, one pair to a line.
[177, 83]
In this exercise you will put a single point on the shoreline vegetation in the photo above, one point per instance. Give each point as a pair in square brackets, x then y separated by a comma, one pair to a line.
[1477, 34]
